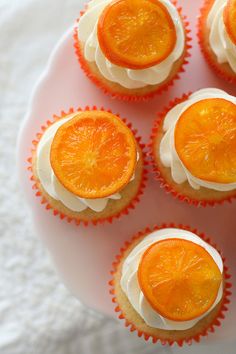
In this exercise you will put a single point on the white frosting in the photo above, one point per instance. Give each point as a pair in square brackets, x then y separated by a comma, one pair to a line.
[219, 40]
[168, 154]
[131, 79]
[130, 285]
[50, 182]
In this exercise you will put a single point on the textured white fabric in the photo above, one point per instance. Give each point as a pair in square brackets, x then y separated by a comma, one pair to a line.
[37, 314]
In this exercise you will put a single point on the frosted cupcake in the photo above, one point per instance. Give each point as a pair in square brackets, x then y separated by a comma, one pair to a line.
[132, 49]
[194, 147]
[217, 35]
[170, 285]
[88, 166]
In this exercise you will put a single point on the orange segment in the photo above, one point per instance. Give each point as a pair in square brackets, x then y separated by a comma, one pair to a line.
[230, 19]
[205, 140]
[136, 34]
[179, 279]
[93, 155]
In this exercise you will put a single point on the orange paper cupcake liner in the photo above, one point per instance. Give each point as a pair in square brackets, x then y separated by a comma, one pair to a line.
[209, 58]
[46, 203]
[131, 97]
[157, 172]
[168, 341]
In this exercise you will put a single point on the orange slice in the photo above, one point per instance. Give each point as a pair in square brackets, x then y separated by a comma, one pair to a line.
[179, 279]
[136, 34]
[205, 140]
[93, 155]
[230, 19]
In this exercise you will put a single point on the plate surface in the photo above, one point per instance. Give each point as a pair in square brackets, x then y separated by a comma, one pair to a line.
[83, 255]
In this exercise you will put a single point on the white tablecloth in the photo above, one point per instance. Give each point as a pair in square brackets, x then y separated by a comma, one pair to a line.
[37, 314]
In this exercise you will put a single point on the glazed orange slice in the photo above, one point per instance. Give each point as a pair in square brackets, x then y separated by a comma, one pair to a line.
[93, 155]
[230, 19]
[179, 279]
[205, 140]
[136, 34]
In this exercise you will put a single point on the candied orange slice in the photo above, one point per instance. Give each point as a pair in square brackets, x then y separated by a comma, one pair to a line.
[179, 279]
[205, 140]
[93, 155]
[136, 34]
[230, 19]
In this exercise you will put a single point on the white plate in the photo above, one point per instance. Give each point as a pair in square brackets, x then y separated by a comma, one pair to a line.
[83, 255]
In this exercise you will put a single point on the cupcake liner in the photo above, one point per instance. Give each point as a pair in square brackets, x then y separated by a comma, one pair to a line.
[46, 203]
[157, 171]
[169, 341]
[210, 58]
[132, 97]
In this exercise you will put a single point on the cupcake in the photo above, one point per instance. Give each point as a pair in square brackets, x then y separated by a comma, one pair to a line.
[217, 36]
[170, 285]
[132, 49]
[88, 166]
[194, 147]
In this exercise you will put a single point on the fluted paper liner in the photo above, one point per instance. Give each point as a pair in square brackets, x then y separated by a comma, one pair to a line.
[46, 203]
[169, 341]
[157, 171]
[131, 97]
[210, 58]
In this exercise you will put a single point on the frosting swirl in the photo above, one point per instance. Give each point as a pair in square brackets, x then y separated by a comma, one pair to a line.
[50, 182]
[168, 154]
[128, 78]
[130, 285]
[219, 40]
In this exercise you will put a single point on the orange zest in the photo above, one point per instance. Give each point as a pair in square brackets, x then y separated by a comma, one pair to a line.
[179, 279]
[94, 155]
[230, 19]
[136, 34]
[205, 140]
